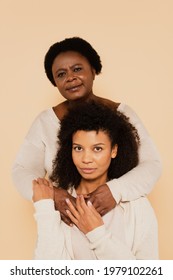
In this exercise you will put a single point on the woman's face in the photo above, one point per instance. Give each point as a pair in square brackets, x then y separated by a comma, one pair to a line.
[92, 154]
[73, 75]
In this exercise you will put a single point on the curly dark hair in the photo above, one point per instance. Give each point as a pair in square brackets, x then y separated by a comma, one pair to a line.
[88, 117]
[76, 44]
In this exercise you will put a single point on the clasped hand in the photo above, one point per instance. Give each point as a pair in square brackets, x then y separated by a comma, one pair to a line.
[84, 215]
[97, 203]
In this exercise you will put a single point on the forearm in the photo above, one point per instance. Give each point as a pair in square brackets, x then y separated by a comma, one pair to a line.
[137, 182]
[106, 246]
[51, 239]
[22, 180]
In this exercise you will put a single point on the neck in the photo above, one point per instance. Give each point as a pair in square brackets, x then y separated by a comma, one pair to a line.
[62, 108]
[73, 103]
[88, 186]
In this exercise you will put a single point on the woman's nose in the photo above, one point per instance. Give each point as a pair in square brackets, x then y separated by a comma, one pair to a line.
[87, 158]
[70, 76]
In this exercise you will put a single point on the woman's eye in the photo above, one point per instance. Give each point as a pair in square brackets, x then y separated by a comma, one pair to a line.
[77, 69]
[98, 149]
[61, 74]
[77, 148]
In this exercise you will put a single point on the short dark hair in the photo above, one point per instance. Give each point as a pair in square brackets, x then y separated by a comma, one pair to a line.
[71, 44]
[91, 116]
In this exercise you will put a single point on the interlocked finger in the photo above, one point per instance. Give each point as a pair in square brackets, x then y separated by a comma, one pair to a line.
[72, 208]
[80, 204]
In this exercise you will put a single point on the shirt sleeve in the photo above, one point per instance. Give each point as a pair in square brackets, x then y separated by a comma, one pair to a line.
[51, 238]
[29, 163]
[106, 246]
[140, 180]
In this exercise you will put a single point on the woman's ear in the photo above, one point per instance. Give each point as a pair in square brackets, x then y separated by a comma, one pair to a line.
[93, 72]
[114, 151]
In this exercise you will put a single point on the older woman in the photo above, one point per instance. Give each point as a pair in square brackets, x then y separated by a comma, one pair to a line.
[71, 65]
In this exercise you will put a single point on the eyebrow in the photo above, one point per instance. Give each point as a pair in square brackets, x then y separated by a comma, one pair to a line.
[63, 69]
[97, 144]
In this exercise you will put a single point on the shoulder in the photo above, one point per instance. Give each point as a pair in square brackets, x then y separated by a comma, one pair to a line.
[121, 107]
[61, 109]
[131, 115]
[126, 109]
[44, 121]
[110, 103]
[143, 211]
[47, 116]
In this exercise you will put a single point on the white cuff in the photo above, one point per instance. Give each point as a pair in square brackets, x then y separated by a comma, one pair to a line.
[96, 234]
[44, 205]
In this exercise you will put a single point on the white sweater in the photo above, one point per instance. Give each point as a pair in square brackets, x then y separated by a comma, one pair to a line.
[35, 157]
[129, 232]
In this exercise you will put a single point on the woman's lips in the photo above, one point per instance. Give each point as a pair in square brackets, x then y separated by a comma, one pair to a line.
[87, 170]
[73, 89]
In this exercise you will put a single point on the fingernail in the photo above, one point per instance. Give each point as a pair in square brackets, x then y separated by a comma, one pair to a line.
[89, 203]
[67, 200]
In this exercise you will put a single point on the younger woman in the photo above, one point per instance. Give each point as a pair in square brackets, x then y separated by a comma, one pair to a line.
[96, 144]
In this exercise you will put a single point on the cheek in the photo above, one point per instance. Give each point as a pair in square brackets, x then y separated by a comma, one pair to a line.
[75, 158]
[88, 80]
[58, 84]
[103, 160]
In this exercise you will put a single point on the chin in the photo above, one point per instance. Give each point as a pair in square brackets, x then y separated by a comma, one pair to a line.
[89, 177]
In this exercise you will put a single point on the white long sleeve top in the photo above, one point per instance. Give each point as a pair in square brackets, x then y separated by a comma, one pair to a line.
[39, 148]
[129, 232]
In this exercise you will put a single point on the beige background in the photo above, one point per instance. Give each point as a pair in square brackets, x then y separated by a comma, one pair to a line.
[135, 41]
